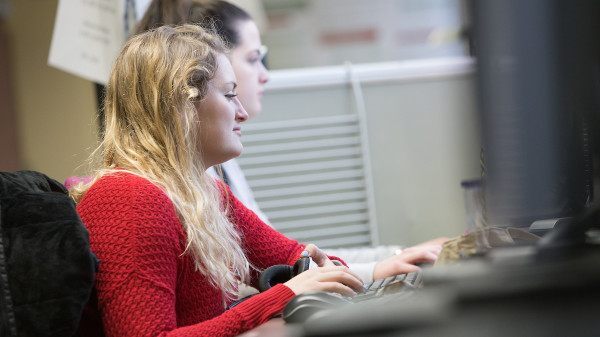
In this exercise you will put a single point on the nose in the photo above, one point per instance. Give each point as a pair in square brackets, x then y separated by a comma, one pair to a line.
[264, 74]
[240, 113]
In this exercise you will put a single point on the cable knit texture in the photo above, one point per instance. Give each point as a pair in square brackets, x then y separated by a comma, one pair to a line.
[146, 287]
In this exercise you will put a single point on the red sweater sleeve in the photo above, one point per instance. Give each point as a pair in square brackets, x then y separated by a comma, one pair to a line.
[145, 285]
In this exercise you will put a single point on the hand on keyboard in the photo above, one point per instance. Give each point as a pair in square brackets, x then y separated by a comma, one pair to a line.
[335, 279]
[406, 261]
[312, 305]
[389, 285]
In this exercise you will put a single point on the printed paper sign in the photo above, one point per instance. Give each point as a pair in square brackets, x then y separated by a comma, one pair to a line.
[87, 37]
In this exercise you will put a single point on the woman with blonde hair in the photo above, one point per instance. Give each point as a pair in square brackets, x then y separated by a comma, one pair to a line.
[235, 26]
[173, 242]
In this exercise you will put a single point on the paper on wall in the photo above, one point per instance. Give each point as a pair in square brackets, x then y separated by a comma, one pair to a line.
[87, 37]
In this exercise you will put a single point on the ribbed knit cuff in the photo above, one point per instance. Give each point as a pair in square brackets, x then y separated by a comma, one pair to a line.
[262, 307]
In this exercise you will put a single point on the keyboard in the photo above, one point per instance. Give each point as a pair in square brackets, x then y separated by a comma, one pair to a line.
[505, 294]
[308, 306]
[391, 285]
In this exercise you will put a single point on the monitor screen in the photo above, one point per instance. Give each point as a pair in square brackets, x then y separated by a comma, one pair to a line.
[539, 97]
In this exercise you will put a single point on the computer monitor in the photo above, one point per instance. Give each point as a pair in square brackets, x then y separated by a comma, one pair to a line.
[538, 66]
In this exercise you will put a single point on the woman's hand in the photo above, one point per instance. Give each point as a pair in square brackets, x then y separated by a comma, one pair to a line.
[405, 261]
[434, 242]
[317, 255]
[334, 279]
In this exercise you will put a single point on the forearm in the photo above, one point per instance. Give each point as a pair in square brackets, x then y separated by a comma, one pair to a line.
[363, 254]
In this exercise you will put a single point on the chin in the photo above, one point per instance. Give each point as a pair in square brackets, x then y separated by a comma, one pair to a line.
[238, 152]
[226, 156]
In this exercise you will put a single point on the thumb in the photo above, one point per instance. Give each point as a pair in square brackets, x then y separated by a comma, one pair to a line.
[317, 255]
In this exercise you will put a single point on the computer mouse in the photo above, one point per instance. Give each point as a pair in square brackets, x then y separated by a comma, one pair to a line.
[304, 306]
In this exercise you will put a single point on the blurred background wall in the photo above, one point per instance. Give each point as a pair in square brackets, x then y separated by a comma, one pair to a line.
[423, 128]
[54, 112]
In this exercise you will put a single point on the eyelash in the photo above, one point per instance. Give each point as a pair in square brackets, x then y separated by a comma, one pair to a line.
[231, 96]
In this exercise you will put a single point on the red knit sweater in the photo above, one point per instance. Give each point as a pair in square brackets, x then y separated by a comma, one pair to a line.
[146, 287]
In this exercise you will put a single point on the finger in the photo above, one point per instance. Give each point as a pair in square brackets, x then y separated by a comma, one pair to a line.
[343, 275]
[419, 256]
[436, 249]
[309, 251]
[436, 242]
[317, 255]
[432, 248]
[316, 279]
[409, 268]
[347, 272]
[339, 288]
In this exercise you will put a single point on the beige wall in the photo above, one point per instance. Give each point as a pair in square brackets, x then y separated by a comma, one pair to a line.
[55, 111]
[9, 157]
[423, 137]
[423, 133]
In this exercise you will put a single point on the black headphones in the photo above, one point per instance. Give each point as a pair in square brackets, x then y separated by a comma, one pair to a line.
[277, 274]
[281, 273]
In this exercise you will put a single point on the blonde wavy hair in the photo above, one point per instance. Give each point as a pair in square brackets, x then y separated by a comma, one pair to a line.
[151, 130]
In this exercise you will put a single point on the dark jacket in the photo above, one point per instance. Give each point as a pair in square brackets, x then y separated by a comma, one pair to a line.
[46, 266]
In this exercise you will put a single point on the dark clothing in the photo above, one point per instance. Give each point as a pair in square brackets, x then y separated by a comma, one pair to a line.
[46, 266]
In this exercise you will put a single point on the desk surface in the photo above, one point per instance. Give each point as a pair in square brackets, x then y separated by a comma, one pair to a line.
[478, 298]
